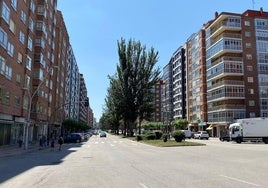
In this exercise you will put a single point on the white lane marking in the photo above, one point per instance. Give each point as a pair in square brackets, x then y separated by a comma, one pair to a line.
[239, 180]
[96, 142]
[112, 145]
[142, 185]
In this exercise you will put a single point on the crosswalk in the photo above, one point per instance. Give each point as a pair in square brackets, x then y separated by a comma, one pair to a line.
[111, 142]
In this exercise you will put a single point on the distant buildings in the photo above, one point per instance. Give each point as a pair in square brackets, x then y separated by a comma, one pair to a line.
[39, 75]
[226, 72]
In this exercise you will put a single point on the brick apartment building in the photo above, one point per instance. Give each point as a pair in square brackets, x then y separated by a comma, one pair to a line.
[227, 71]
[34, 69]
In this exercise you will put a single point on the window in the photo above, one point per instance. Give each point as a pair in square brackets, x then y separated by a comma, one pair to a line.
[251, 91]
[5, 97]
[247, 34]
[250, 79]
[27, 81]
[248, 45]
[12, 26]
[18, 79]
[5, 12]
[32, 6]
[28, 62]
[19, 58]
[251, 103]
[249, 68]
[10, 49]
[2, 65]
[30, 43]
[247, 23]
[23, 17]
[252, 114]
[31, 24]
[8, 72]
[17, 101]
[3, 38]
[249, 56]
[14, 4]
[22, 37]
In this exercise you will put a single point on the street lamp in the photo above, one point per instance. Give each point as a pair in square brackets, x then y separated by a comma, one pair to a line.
[30, 99]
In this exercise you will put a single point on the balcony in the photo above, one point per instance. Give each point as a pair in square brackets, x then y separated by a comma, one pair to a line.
[224, 35]
[220, 26]
[224, 58]
[229, 95]
[225, 83]
[225, 107]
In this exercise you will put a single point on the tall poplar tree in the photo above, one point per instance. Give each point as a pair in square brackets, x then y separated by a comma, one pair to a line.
[136, 76]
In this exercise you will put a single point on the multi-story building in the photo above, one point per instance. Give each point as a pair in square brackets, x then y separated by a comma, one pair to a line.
[83, 111]
[179, 83]
[59, 101]
[157, 90]
[34, 56]
[167, 94]
[16, 55]
[196, 81]
[72, 87]
[236, 55]
[43, 68]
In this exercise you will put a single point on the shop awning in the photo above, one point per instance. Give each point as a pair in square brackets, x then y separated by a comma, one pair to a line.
[210, 127]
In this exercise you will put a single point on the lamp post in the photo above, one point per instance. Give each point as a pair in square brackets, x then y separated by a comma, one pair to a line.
[30, 99]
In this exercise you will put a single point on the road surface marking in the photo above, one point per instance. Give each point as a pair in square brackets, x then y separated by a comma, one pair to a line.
[142, 185]
[239, 180]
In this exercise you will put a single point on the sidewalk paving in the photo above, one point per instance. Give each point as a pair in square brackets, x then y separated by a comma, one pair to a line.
[11, 150]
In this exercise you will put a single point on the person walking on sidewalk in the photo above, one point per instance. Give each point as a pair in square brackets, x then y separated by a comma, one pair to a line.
[20, 140]
[52, 144]
[60, 141]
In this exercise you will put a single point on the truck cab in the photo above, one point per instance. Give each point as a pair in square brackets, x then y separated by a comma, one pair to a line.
[235, 132]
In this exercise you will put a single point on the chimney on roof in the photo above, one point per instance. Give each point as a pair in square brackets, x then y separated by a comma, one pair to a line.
[216, 15]
[261, 10]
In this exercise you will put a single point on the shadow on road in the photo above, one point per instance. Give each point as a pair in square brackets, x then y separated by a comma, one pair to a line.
[12, 166]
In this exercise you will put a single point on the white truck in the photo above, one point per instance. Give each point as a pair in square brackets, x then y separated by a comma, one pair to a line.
[249, 129]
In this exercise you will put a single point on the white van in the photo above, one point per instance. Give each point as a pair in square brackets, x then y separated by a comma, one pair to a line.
[188, 134]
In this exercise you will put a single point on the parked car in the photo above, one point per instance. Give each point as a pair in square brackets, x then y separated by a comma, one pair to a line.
[102, 134]
[73, 138]
[225, 138]
[201, 135]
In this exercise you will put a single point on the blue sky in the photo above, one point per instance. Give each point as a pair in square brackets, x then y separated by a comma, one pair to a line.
[95, 26]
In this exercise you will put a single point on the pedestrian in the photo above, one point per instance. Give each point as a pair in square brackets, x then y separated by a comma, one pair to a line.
[20, 140]
[40, 142]
[52, 144]
[60, 141]
[44, 141]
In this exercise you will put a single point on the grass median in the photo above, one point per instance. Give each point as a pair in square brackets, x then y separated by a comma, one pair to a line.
[168, 143]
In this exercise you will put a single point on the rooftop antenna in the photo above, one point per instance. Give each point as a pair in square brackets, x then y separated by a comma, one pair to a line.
[253, 3]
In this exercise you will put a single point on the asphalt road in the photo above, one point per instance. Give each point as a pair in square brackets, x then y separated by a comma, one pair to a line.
[115, 162]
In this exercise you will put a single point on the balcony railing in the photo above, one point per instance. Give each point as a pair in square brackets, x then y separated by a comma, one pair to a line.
[224, 24]
[227, 107]
[226, 95]
[226, 82]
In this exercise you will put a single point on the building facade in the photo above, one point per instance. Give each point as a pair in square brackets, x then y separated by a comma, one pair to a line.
[196, 81]
[179, 83]
[34, 60]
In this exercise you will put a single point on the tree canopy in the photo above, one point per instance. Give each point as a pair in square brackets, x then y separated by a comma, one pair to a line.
[130, 95]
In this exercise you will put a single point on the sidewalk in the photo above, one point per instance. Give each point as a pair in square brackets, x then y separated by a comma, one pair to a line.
[11, 150]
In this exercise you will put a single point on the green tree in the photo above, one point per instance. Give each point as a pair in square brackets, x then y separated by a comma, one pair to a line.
[180, 124]
[131, 86]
